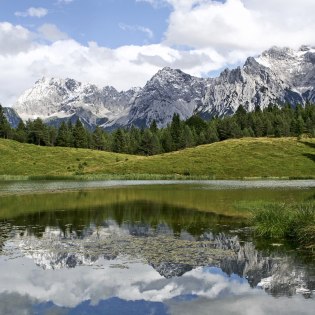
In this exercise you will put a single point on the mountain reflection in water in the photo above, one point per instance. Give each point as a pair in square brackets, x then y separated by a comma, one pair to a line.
[145, 258]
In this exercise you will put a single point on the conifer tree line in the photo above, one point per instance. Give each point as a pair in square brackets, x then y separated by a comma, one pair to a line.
[273, 121]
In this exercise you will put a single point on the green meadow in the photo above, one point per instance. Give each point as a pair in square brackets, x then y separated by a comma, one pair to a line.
[246, 158]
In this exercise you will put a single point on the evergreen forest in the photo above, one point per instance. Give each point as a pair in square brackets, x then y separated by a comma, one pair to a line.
[273, 121]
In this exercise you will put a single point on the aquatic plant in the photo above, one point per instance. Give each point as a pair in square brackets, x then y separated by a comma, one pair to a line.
[281, 220]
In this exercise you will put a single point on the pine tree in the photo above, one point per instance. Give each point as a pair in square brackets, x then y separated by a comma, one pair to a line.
[80, 137]
[70, 138]
[63, 136]
[212, 133]
[246, 133]
[176, 132]
[133, 145]
[241, 117]
[155, 145]
[20, 133]
[37, 132]
[299, 126]
[98, 139]
[187, 139]
[197, 123]
[52, 134]
[258, 126]
[166, 140]
[201, 138]
[282, 128]
[153, 127]
[235, 129]
[269, 130]
[224, 129]
[150, 143]
[310, 127]
[119, 143]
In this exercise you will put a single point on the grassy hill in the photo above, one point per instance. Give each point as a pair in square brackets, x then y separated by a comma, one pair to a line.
[238, 158]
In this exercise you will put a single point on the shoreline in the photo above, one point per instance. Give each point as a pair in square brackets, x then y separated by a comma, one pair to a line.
[58, 186]
[135, 176]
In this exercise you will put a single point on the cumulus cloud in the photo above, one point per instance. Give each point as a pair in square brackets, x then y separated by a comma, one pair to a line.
[202, 36]
[238, 28]
[240, 25]
[14, 39]
[137, 28]
[24, 61]
[32, 12]
[51, 32]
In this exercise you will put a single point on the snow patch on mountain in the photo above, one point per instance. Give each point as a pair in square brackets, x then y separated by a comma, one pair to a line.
[58, 99]
[278, 76]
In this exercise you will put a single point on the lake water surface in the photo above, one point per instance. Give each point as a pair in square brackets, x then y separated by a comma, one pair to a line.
[123, 247]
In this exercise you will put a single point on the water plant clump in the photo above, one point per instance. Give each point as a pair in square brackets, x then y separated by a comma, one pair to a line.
[292, 221]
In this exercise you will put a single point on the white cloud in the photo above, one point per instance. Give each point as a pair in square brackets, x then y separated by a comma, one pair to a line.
[137, 28]
[33, 12]
[215, 34]
[25, 61]
[241, 25]
[51, 32]
[14, 39]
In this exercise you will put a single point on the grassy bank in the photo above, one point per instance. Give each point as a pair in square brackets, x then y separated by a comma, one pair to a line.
[231, 159]
[290, 221]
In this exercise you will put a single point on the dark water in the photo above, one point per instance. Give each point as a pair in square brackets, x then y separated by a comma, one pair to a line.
[149, 249]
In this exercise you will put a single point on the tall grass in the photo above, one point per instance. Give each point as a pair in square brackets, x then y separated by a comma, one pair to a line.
[280, 220]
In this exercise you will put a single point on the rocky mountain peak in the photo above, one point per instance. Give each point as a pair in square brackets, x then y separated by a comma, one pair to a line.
[279, 53]
[72, 85]
[306, 48]
[278, 75]
[109, 90]
[170, 76]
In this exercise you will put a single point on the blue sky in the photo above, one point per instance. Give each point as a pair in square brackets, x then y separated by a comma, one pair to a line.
[123, 43]
[110, 23]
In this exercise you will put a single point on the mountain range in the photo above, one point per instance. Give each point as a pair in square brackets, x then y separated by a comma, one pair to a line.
[278, 75]
[277, 272]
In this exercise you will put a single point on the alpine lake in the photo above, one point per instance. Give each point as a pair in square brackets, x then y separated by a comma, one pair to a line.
[149, 247]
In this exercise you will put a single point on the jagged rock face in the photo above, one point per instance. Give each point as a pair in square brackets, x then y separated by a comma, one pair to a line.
[168, 92]
[55, 100]
[279, 75]
[12, 116]
[296, 68]
[250, 86]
